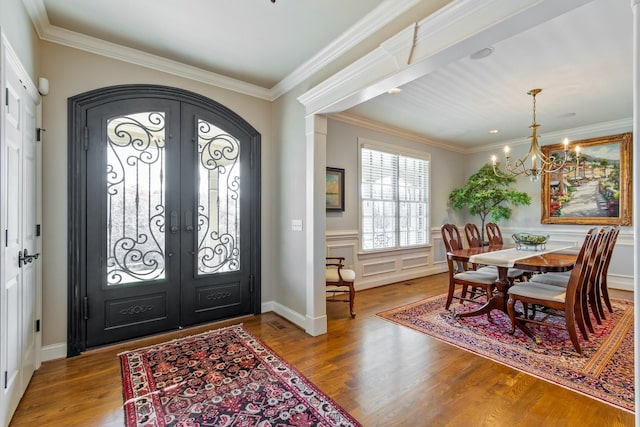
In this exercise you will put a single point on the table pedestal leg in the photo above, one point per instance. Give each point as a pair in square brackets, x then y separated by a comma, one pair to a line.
[498, 299]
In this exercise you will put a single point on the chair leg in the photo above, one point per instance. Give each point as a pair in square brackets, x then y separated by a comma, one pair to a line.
[571, 327]
[512, 314]
[463, 294]
[584, 309]
[449, 295]
[352, 297]
[605, 294]
[599, 304]
[580, 315]
[593, 303]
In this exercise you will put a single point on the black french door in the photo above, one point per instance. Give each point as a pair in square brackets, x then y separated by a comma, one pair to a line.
[168, 215]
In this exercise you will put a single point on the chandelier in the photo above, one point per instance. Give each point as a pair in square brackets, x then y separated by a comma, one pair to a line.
[547, 163]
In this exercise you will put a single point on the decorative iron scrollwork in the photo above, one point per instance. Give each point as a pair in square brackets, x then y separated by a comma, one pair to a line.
[218, 295]
[218, 200]
[136, 309]
[135, 198]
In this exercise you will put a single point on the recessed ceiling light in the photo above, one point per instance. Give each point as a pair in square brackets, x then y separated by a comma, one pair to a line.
[494, 131]
[394, 90]
[482, 53]
[566, 115]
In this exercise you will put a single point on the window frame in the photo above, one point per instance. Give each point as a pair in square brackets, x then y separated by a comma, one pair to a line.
[397, 151]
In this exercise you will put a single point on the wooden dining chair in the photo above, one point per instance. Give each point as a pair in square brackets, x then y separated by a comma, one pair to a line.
[588, 292]
[472, 233]
[602, 291]
[462, 275]
[474, 240]
[340, 280]
[566, 300]
[494, 235]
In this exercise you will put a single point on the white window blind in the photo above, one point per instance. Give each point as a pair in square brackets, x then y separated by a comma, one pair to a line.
[394, 194]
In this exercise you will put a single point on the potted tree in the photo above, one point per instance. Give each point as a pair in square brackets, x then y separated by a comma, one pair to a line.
[487, 194]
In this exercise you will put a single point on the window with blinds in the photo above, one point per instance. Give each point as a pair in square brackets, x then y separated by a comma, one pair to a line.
[394, 196]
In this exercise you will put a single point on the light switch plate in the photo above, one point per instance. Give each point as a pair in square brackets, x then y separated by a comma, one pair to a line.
[296, 224]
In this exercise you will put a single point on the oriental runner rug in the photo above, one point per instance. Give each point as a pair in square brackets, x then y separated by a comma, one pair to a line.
[604, 371]
[225, 377]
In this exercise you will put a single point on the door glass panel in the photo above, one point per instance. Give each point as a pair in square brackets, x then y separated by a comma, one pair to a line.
[218, 200]
[135, 198]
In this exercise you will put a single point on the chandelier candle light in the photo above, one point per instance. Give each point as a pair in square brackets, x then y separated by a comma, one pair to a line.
[547, 163]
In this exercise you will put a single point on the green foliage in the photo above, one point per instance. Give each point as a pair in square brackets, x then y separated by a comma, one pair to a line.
[488, 195]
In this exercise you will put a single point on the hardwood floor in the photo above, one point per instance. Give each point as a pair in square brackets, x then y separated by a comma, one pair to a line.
[381, 373]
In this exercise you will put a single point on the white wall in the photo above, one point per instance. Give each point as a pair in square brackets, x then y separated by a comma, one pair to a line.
[374, 269]
[288, 204]
[16, 26]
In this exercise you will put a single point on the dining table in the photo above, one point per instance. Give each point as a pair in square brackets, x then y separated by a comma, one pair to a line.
[551, 258]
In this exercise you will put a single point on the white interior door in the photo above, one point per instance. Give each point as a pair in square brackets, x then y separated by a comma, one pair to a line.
[18, 281]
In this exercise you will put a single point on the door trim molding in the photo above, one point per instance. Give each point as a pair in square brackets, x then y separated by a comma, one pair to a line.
[76, 188]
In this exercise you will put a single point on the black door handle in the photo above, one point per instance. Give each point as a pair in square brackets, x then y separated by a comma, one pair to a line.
[188, 219]
[173, 222]
[25, 258]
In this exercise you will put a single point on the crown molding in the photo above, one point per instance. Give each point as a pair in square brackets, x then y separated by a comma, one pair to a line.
[372, 22]
[54, 34]
[355, 120]
[606, 128]
[38, 15]
[590, 131]
[122, 53]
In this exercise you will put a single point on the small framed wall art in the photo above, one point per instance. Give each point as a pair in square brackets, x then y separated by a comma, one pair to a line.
[335, 189]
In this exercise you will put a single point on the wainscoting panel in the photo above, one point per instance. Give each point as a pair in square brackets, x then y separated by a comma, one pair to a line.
[383, 268]
[373, 268]
[415, 262]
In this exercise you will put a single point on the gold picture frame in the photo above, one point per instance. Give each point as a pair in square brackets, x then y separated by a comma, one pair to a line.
[335, 189]
[592, 188]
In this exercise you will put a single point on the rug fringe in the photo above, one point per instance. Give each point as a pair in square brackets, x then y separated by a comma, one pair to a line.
[182, 338]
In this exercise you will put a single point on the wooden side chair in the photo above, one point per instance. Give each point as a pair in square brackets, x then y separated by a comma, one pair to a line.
[566, 300]
[474, 240]
[472, 233]
[494, 235]
[459, 274]
[588, 294]
[340, 280]
[601, 289]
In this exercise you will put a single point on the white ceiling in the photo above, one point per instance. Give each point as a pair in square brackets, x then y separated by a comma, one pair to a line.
[255, 41]
[582, 60]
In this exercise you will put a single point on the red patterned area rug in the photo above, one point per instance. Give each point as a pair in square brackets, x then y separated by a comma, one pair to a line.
[225, 377]
[604, 372]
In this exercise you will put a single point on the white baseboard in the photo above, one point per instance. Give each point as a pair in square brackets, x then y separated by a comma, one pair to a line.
[266, 307]
[59, 350]
[313, 326]
[624, 283]
[292, 316]
[54, 351]
[316, 325]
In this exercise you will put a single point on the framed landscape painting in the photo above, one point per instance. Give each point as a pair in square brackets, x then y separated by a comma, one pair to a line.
[335, 189]
[594, 187]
